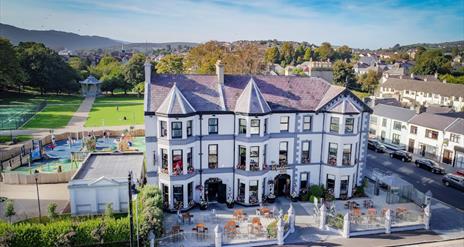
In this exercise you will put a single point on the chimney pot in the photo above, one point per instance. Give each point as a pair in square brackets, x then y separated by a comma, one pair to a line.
[147, 66]
[220, 72]
[412, 75]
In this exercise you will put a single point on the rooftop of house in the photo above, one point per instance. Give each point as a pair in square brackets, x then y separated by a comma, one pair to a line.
[110, 165]
[457, 127]
[435, 87]
[394, 112]
[433, 121]
[239, 93]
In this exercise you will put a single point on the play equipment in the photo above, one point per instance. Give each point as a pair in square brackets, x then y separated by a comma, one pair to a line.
[125, 142]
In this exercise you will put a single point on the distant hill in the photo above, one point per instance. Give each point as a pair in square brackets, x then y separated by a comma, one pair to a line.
[445, 46]
[57, 39]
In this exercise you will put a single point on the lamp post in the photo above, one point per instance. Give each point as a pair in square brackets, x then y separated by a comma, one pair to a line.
[36, 177]
[131, 223]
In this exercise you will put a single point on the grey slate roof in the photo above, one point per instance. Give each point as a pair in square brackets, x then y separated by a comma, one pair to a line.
[433, 121]
[282, 93]
[110, 165]
[345, 107]
[90, 80]
[175, 103]
[251, 100]
[394, 112]
[436, 87]
[457, 127]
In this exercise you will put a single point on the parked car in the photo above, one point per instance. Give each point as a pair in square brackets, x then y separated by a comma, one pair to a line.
[401, 155]
[376, 146]
[430, 165]
[459, 173]
[453, 181]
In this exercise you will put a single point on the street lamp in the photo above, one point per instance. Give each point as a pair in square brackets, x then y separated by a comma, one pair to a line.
[36, 177]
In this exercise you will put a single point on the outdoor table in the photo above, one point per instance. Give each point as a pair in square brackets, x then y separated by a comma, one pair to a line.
[187, 216]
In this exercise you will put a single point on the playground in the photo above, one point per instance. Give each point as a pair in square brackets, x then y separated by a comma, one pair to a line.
[67, 154]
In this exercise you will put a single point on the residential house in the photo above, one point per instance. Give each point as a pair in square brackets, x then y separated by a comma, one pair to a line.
[419, 92]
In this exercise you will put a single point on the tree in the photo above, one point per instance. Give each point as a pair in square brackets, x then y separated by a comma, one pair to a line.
[202, 59]
[298, 71]
[286, 54]
[308, 54]
[80, 66]
[111, 74]
[299, 54]
[52, 211]
[343, 74]
[45, 69]
[324, 52]
[245, 59]
[8, 209]
[430, 62]
[139, 89]
[170, 64]
[369, 80]
[11, 73]
[344, 52]
[134, 70]
[272, 55]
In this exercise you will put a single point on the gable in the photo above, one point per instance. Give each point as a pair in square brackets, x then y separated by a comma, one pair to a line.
[345, 103]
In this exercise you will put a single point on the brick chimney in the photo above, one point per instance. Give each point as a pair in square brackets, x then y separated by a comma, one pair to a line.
[220, 72]
[147, 66]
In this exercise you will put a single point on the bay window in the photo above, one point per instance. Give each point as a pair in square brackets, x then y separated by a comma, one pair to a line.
[254, 127]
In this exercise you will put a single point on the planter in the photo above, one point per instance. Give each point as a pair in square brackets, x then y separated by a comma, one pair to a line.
[270, 199]
[230, 204]
[203, 205]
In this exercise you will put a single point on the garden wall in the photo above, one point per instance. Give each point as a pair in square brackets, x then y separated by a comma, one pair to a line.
[43, 178]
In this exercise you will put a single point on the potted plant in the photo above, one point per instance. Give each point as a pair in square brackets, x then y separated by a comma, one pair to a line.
[230, 202]
[271, 198]
[203, 204]
[294, 196]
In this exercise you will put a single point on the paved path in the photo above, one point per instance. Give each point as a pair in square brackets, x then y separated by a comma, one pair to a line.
[81, 115]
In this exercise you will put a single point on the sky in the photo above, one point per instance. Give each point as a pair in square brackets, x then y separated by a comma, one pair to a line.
[359, 24]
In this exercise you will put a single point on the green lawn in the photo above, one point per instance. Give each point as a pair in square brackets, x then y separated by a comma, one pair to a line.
[360, 94]
[111, 110]
[57, 113]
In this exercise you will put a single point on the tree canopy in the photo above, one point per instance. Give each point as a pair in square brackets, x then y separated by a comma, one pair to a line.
[431, 61]
[170, 64]
[11, 73]
[343, 74]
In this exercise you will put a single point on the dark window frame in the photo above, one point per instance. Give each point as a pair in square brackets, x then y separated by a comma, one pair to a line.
[213, 165]
[176, 130]
[305, 154]
[213, 126]
[255, 129]
[334, 125]
[349, 127]
[189, 128]
[242, 126]
[163, 129]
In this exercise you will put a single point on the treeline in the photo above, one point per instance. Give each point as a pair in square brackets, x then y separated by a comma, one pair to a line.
[33, 65]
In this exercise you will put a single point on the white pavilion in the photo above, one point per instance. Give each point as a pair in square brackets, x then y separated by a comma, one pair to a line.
[90, 86]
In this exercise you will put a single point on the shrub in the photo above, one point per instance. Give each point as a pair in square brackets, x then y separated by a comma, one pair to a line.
[311, 198]
[8, 209]
[336, 221]
[272, 229]
[109, 210]
[316, 190]
[52, 211]
[306, 197]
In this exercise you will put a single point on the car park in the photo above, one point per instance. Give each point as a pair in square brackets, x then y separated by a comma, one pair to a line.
[401, 155]
[376, 146]
[452, 180]
[430, 165]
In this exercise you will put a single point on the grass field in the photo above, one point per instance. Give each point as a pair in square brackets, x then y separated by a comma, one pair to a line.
[56, 114]
[360, 94]
[111, 110]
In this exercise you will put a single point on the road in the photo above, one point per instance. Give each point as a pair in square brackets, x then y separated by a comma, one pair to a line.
[422, 179]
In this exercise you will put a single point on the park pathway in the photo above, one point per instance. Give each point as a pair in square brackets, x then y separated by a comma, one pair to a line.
[80, 116]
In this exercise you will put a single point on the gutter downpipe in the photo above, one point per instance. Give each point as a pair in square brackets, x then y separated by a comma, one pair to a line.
[322, 146]
[359, 146]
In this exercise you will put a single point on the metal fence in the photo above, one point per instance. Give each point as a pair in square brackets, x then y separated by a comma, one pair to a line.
[13, 117]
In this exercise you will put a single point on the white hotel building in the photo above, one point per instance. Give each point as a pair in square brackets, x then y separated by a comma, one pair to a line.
[240, 137]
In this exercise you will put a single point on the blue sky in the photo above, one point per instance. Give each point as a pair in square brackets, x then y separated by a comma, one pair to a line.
[361, 24]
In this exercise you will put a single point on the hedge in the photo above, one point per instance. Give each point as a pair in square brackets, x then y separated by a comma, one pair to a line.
[65, 232]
